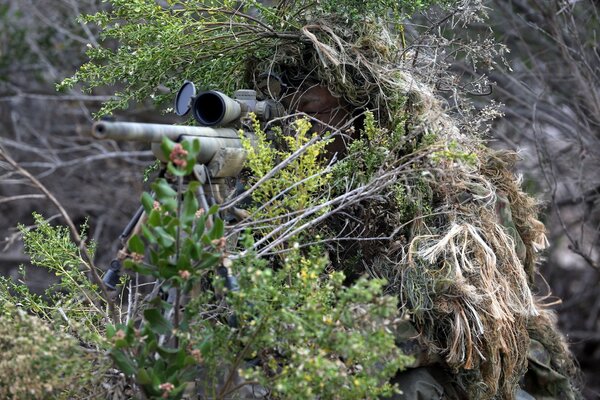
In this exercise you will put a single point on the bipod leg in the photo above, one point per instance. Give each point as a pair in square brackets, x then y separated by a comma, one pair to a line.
[216, 189]
[112, 276]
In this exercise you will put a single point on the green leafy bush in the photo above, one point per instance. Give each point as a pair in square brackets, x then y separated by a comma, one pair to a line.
[291, 328]
[37, 362]
[288, 326]
[209, 42]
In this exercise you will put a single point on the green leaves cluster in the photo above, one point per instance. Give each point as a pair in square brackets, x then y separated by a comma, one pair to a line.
[298, 185]
[149, 46]
[139, 353]
[41, 336]
[160, 45]
[309, 335]
[355, 11]
[367, 155]
[74, 302]
[62, 257]
[178, 235]
[37, 362]
[290, 328]
[455, 153]
[183, 244]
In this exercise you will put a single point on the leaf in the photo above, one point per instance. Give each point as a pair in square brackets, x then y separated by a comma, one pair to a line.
[199, 228]
[154, 218]
[158, 323]
[192, 248]
[176, 171]
[110, 331]
[166, 271]
[217, 230]
[164, 238]
[170, 355]
[183, 262]
[148, 234]
[209, 260]
[154, 256]
[190, 206]
[167, 146]
[206, 347]
[124, 363]
[205, 240]
[171, 226]
[144, 377]
[136, 245]
[139, 268]
[195, 147]
[213, 209]
[178, 391]
[147, 202]
[170, 204]
[193, 186]
[163, 190]
[188, 361]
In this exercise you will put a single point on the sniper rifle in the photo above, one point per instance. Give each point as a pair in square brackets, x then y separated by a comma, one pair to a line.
[221, 152]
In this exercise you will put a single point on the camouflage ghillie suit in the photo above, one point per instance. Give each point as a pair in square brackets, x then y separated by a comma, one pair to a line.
[460, 236]
[441, 217]
[550, 373]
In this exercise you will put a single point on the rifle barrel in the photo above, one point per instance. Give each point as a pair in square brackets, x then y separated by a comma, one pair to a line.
[211, 139]
[134, 131]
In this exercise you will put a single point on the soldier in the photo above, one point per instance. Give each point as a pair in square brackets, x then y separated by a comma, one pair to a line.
[434, 211]
[544, 368]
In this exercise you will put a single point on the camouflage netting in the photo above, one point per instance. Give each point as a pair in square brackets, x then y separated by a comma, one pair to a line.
[459, 245]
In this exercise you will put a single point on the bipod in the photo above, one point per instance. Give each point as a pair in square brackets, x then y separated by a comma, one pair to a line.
[209, 192]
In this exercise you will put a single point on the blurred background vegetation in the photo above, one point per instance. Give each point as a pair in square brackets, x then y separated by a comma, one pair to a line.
[548, 83]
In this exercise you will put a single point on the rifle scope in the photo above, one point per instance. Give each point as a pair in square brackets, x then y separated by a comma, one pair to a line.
[212, 108]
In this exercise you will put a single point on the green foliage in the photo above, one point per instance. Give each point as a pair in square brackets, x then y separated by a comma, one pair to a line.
[37, 362]
[74, 301]
[209, 42]
[39, 355]
[158, 45]
[366, 155]
[289, 325]
[295, 187]
[51, 247]
[355, 11]
[156, 367]
[453, 152]
[184, 243]
[331, 341]
[309, 334]
[378, 151]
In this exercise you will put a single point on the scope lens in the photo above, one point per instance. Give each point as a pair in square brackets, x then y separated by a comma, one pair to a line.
[209, 108]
